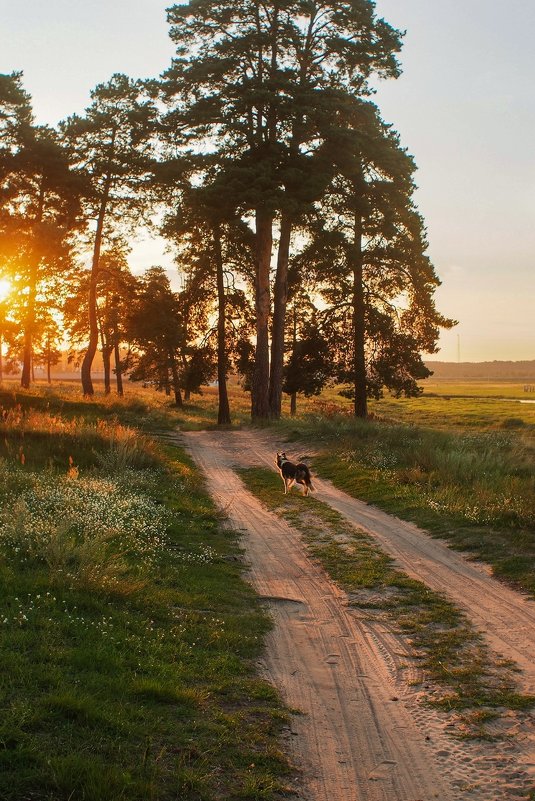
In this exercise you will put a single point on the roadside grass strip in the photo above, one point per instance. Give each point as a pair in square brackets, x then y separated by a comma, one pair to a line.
[128, 636]
[450, 652]
[477, 490]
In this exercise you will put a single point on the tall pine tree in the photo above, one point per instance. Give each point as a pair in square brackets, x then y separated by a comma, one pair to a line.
[369, 253]
[112, 142]
[247, 79]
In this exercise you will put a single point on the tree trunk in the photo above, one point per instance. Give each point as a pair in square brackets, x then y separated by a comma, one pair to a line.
[260, 388]
[87, 383]
[223, 412]
[176, 380]
[116, 349]
[293, 404]
[48, 361]
[187, 390]
[1, 358]
[29, 323]
[106, 361]
[105, 349]
[118, 370]
[293, 396]
[26, 376]
[359, 325]
[280, 298]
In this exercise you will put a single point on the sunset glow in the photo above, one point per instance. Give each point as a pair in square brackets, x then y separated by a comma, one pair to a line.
[5, 288]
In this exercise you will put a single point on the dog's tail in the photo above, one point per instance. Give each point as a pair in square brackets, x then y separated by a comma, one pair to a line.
[304, 473]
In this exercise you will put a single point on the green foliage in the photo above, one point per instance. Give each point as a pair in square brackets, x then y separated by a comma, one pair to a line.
[309, 366]
[127, 632]
[367, 253]
[40, 210]
[253, 87]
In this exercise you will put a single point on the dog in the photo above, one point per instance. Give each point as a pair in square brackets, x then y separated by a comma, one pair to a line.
[294, 474]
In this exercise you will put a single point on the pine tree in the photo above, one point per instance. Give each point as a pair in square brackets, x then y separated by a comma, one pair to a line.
[113, 143]
[310, 363]
[214, 247]
[155, 326]
[250, 75]
[368, 251]
[39, 209]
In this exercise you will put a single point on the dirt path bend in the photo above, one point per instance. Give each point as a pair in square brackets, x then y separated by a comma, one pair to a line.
[362, 736]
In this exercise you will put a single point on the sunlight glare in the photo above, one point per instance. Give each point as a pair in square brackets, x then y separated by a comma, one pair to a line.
[5, 288]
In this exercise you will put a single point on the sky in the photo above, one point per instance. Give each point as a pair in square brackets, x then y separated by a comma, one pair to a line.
[464, 108]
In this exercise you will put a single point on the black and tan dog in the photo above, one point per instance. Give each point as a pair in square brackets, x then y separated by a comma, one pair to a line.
[294, 474]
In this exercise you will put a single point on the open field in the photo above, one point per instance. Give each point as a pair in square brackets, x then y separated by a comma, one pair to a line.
[124, 616]
[471, 405]
[128, 636]
[442, 405]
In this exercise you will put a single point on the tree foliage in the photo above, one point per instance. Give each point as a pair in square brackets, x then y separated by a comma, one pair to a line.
[112, 144]
[260, 137]
[39, 210]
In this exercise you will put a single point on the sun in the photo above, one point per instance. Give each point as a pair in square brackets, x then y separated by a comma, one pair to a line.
[5, 288]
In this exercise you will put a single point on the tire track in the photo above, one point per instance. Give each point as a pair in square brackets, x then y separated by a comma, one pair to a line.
[356, 740]
[364, 734]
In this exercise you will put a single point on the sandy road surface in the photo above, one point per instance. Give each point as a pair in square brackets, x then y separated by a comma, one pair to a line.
[363, 735]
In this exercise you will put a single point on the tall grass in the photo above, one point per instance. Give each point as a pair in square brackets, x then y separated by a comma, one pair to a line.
[37, 437]
[128, 637]
[476, 489]
[486, 478]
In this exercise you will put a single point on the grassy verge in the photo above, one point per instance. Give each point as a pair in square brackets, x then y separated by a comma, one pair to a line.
[476, 490]
[449, 649]
[127, 634]
[141, 407]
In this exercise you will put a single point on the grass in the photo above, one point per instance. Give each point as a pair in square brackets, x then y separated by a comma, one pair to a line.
[128, 670]
[128, 635]
[448, 648]
[461, 407]
[476, 489]
[457, 461]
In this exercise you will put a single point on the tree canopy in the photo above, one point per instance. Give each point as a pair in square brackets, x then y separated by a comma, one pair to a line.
[261, 158]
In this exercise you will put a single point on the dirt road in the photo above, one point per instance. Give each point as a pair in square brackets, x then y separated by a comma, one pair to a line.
[363, 734]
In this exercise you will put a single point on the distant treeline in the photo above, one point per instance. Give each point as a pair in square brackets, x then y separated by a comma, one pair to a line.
[483, 371]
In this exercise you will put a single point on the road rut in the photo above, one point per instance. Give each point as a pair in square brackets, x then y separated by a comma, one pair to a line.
[363, 735]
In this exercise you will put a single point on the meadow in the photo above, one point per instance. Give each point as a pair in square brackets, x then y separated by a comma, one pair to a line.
[459, 460]
[128, 635]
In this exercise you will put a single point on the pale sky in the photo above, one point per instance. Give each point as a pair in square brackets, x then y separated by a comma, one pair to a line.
[464, 106]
